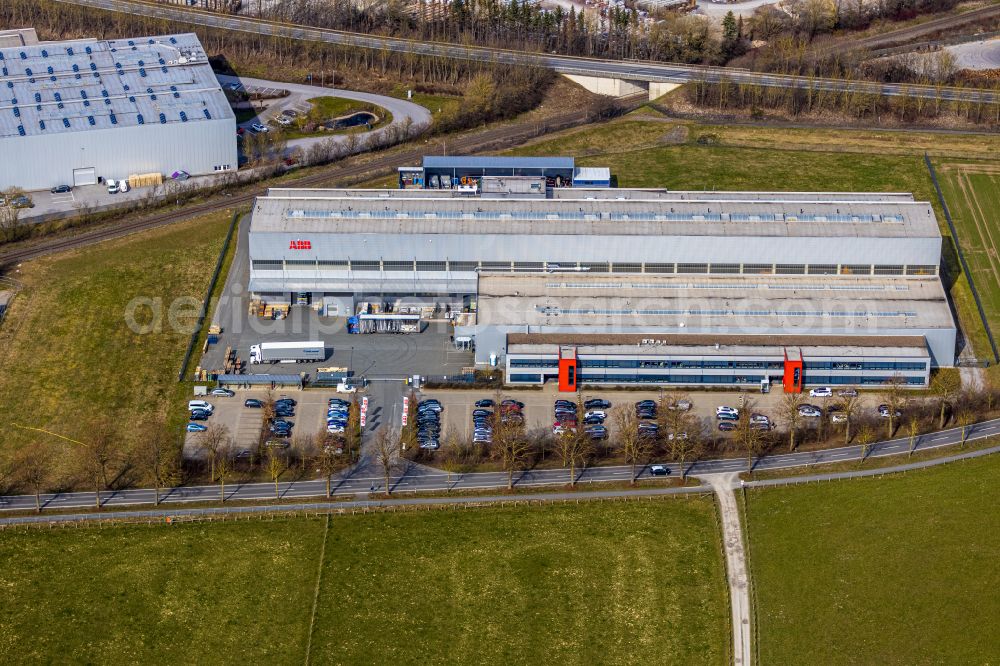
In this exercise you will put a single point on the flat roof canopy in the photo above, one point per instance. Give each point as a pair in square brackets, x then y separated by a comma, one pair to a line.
[261, 380]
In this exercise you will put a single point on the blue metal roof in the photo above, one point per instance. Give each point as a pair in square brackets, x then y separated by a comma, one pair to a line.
[490, 162]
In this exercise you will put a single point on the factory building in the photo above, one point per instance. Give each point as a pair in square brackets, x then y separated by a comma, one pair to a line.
[628, 286]
[76, 112]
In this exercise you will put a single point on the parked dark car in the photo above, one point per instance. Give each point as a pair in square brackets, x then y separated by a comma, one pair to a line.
[199, 415]
[484, 403]
[253, 403]
[286, 401]
[597, 403]
[645, 403]
[61, 189]
[659, 470]
[727, 426]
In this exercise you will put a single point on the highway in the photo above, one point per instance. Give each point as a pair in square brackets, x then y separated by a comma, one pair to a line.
[365, 479]
[623, 69]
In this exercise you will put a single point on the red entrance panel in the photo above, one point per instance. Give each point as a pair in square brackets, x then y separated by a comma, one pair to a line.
[792, 379]
[567, 369]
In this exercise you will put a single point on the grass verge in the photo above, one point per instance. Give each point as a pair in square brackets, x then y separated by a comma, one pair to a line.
[896, 570]
[610, 582]
[69, 351]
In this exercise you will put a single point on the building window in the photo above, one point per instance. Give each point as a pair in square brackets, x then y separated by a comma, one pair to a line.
[397, 265]
[822, 269]
[692, 268]
[267, 264]
[659, 268]
[626, 268]
[790, 269]
[358, 265]
[856, 269]
[332, 263]
[528, 265]
[593, 267]
[531, 378]
[496, 266]
[881, 269]
[758, 269]
[290, 263]
[432, 266]
[724, 268]
[463, 265]
[921, 270]
[534, 363]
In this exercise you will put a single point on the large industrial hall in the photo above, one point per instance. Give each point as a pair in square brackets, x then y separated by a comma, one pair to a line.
[628, 286]
[75, 112]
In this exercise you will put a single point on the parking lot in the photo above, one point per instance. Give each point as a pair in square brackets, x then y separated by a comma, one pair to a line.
[244, 423]
[539, 406]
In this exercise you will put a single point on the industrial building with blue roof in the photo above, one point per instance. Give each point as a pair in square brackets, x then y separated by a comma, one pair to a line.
[73, 112]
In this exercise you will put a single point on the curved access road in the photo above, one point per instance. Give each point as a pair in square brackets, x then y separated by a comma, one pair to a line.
[418, 478]
[404, 113]
[622, 69]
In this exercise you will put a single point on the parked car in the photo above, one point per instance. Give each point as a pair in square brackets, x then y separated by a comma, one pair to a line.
[222, 392]
[821, 392]
[883, 411]
[596, 412]
[645, 403]
[22, 201]
[838, 417]
[431, 444]
[512, 403]
[848, 393]
[486, 402]
[727, 426]
[759, 418]
[597, 432]
[281, 423]
[259, 128]
[723, 409]
[481, 412]
[727, 416]
[597, 403]
[659, 470]
[559, 429]
[199, 415]
[810, 411]
[61, 189]
[253, 403]
[286, 401]
[283, 411]
[196, 427]
[593, 420]
[200, 404]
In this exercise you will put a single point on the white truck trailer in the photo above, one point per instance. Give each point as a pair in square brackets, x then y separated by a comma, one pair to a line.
[288, 352]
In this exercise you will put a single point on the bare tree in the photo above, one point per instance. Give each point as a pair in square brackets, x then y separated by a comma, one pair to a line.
[210, 442]
[945, 386]
[851, 406]
[225, 457]
[276, 466]
[387, 450]
[33, 468]
[965, 419]
[913, 431]
[865, 437]
[450, 461]
[158, 458]
[636, 449]
[575, 448]
[894, 395]
[331, 456]
[788, 410]
[10, 226]
[513, 449]
[746, 437]
[99, 455]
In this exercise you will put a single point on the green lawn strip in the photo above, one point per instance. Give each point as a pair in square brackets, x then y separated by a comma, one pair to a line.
[69, 353]
[897, 570]
[192, 593]
[621, 582]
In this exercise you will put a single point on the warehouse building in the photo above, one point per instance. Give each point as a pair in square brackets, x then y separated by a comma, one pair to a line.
[635, 286]
[76, 112]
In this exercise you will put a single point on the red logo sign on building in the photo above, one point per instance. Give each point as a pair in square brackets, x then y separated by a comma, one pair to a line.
[300, 245]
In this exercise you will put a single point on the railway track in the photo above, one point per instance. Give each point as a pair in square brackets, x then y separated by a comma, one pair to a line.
[905, 34]
[344, 174]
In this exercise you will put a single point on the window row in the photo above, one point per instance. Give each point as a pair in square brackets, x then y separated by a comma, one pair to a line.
[720, 363]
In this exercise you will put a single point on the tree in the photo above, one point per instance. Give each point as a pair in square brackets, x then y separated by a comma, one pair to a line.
[965, 419]
[865, 437]
[894, 395]
[746, 437]
[513, 449]
[575, 448]
[913, 430]
[211, 441]
[680, 430]
[636, 449]
[99, 455]
[945, 386]
[157, 457]
[225, 457]
[276, 466]
[450, 460]
[788, 410]
[331, 456]
[850, 406]
[33, 467]
[10, 227]
[387, 451]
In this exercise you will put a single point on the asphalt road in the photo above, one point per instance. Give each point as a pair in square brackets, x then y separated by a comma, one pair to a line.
[633, 70]
[365, 478]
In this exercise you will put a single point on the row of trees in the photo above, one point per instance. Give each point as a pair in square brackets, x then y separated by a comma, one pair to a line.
[727, 96]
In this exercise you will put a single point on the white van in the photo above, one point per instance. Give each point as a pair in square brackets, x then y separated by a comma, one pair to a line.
[200, 404]
[116, 186]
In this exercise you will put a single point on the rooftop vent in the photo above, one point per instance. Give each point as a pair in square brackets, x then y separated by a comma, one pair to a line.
[140, 119]
[163, 119]
[66, 122]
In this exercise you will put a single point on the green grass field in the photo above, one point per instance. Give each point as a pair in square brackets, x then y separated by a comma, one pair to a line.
[614, 583]
[898, 570]
[69, 352]
[972, 191]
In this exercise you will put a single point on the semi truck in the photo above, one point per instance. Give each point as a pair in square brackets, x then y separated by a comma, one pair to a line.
[288, 352]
